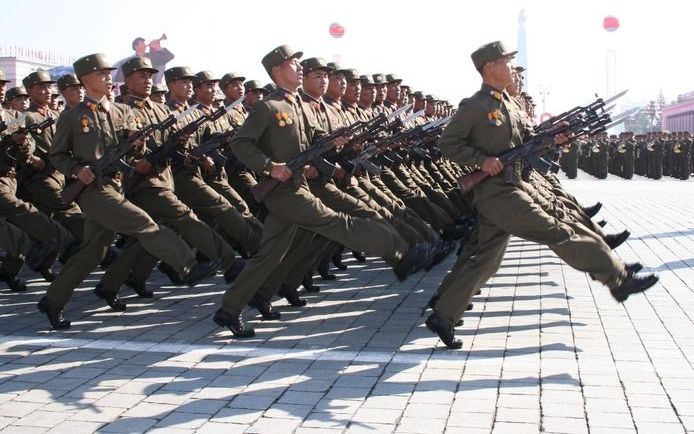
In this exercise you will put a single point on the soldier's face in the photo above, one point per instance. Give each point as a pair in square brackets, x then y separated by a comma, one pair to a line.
[181, 89]
[158, 97]
[98, 83]
[316, 82]
[139, 83]
[73, 95]
[514, 88]
[393, 92]
[430, 108]
[337, 85]
[420, 104]
[253, 97]
[20, 103]
[41, 93]
[290, 73]
[381, 92]
[501, 71]
[368, 94]
[404, 96]
[234, 90]
[206, 92]
[353, 91]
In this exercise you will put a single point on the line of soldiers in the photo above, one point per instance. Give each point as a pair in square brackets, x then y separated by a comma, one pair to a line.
[653, 155]
[194, 214]
[184, 198]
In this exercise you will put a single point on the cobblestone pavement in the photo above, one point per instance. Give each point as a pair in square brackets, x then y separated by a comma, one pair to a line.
[545, 348]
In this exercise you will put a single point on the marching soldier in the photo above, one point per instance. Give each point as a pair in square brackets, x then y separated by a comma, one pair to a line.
[484, 126]
[254, 92]
[18, 99]
[276, 130]
[82, 136]
[154, 193]
[205, 86]
[41, 182]
[158, 93]
[25, 216]
[71, 89]
[191, 188]
[240, 177]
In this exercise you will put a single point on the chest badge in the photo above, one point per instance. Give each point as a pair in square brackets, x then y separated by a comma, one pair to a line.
[283, 119]
[85, 122]
[494, 117]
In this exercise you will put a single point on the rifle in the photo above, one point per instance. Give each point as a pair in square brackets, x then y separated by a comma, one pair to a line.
[211, 147]
[577, 111]
[31, 129]
[112, 158]
[375, 126]
[373, 150]
[590, 120]
[170, 147]
[314, 155]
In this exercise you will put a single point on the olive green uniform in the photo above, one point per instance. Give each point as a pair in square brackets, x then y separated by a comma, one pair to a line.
[155, 195]
[216, 210]
[43, 188]
[504, 207]
[23, 214]
[277, 129]
[82, 136]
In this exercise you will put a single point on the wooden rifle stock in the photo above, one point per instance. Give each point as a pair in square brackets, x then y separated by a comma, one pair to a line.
[468, 182]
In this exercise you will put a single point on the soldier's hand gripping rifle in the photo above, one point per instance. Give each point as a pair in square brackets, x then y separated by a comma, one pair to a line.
[32, 129]
[590, 120]
[315, 154]
[211, 147]
[8, 142]
[112, 158]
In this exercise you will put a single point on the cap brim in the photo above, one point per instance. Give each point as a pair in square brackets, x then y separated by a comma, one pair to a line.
[151, 70]
[320, 68]
[235, 79]
[511, 54]
[298, 55]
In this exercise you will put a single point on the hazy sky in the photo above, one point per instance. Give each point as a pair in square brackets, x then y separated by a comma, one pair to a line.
[428, 43]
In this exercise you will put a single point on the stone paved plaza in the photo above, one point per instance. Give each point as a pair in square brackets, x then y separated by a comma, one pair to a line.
[545, 348]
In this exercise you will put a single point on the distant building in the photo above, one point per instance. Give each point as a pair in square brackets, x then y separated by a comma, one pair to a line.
[18, 62]
[679, 116]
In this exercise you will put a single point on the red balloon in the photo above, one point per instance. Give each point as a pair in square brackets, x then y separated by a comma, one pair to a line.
[336, 30]
[610, 23]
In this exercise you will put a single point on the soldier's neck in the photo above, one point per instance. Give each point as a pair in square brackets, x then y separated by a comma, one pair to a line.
[178, 101]
[94, 96]
[41, 106]
[312, 95]
[334, 97]
[494, 84]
